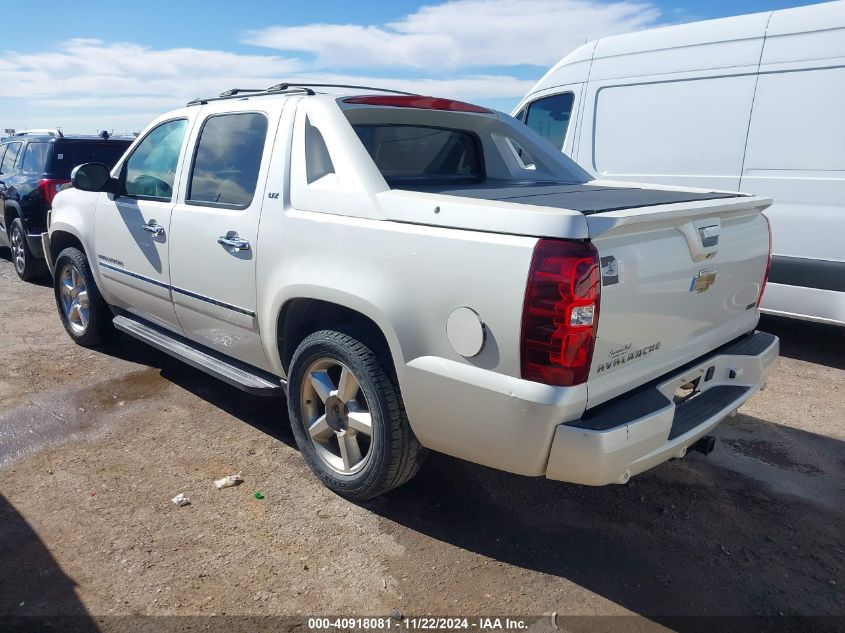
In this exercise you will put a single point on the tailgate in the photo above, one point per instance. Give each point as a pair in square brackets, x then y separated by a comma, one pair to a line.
[678, 280]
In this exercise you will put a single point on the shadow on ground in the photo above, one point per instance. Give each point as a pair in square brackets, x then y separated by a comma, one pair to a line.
[689, 538]
[35, 594]
[811, 342]
[693, 537]
[44, 279]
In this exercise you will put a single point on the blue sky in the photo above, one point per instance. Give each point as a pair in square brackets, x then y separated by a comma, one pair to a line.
[102, 64]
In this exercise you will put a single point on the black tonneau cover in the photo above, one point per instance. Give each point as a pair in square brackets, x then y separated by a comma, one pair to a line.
[587, 199]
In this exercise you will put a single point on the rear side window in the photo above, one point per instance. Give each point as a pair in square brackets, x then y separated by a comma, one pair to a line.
[9, 159]
[227, 160]
[69, 154]
[410, 153]
[151, 169]
[35, 158]
[550, 116]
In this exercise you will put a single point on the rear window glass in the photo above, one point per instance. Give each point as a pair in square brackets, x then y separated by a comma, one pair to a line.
[9, 159]
[35, 158]
[69, 154]
[228, 159]
[410, 153]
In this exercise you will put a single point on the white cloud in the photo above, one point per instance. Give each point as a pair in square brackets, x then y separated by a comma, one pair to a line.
[455, 49]
[464, 34]
[87, 84]
[93, 67]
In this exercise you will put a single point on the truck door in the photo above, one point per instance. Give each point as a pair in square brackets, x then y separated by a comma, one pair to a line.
[214, 228]
[131, 228]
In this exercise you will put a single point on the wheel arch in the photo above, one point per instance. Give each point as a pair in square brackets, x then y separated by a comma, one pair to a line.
[11, 210]
[299, 317]
[61, 239]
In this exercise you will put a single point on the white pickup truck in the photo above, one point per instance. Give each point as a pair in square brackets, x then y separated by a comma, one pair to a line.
[418, 273]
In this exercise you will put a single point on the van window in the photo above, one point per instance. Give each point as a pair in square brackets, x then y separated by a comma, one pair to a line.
[151, 168]
[798, 122]
[12, 151]
[550, 116]
[674, 128]
[35, 158]
[227, 160]
[415, 153]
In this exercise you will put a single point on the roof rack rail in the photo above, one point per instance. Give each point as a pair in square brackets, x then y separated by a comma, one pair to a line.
[284, 87]
[243, 93]
[236, 91]
[54, 131]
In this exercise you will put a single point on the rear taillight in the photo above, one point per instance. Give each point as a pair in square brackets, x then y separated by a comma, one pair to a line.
[50, 187]
[768, 263]
[561, 312]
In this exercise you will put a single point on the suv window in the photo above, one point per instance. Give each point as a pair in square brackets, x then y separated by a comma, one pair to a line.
[35, 158]
[12, 151]
[412, 153]
[227, 160]
[151, 169]
[549, 117]
[69, 153]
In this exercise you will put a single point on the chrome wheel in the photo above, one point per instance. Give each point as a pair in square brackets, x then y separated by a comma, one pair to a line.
[74, 296]
[336, 416]
[18, 252]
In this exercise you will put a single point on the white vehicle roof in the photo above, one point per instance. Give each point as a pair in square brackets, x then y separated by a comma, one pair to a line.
[729, 42]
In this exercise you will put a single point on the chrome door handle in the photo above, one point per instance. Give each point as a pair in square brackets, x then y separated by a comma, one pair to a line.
[234, 242]
[151, 227]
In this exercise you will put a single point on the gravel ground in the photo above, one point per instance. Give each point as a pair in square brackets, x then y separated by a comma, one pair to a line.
[93, 445]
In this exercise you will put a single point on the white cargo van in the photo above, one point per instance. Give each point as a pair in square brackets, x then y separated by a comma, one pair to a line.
[753, 103]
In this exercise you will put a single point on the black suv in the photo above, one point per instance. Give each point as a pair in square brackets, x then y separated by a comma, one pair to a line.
[34, 166]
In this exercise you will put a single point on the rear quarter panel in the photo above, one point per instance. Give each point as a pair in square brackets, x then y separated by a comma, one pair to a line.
[407, 279]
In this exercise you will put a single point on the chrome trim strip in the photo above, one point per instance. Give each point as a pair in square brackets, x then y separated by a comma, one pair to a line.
[181, 291]
[228, 306]
[116, 269]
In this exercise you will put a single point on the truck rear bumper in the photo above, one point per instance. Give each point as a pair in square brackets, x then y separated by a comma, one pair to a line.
[637, 431]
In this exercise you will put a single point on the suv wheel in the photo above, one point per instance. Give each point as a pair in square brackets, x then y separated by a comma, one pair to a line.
[84, 313]
[26, 264]
[348, 418]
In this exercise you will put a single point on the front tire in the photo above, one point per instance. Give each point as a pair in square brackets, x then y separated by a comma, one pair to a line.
[27, 266]
[83, 311]
[348, 418]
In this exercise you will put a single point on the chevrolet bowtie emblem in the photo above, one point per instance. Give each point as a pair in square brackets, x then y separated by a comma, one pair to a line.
[702, 281]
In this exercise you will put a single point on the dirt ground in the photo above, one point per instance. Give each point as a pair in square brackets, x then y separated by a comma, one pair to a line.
[93, 445]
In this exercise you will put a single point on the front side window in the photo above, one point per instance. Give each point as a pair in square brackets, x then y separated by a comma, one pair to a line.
[227, 160]
[35, 158]
[11, 156]
[151, 169]
[549, 117]
[410, 153]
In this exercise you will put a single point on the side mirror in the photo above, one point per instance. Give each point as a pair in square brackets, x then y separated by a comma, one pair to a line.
[92, 177]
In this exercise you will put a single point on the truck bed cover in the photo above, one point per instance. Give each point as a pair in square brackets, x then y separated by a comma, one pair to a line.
[587, 199]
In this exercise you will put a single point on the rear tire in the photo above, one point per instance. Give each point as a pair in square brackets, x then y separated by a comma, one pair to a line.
[84, 313]
[27, 266]
[348, 418]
